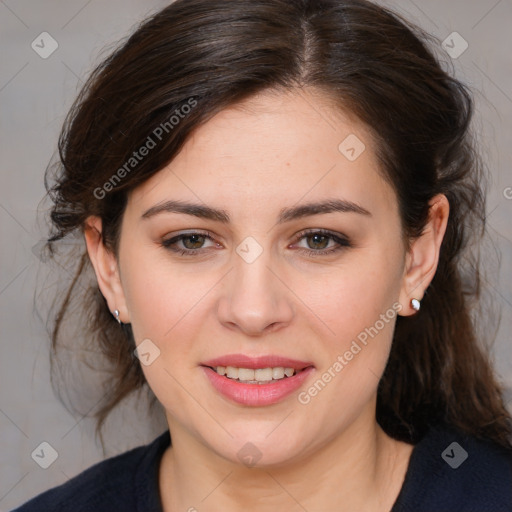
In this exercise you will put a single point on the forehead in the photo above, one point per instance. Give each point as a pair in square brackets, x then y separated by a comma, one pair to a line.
[272, 150]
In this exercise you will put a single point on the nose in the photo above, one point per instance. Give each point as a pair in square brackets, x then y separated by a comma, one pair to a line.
[255, 298]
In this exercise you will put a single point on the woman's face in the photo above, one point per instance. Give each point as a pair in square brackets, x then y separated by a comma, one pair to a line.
[261, 286]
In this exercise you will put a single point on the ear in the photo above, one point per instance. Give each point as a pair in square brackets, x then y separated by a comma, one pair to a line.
[106, 268]
[423, 256]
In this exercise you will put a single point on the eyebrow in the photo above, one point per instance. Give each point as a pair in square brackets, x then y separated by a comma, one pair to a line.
[285, 214]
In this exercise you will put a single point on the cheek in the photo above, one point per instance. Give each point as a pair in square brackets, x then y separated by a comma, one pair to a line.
[150, 302]
[165, 300]
[164, 308]
[354, 359]
[356, 305]
[350, 297]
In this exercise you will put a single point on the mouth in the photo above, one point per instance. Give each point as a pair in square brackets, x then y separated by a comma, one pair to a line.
[240, 376]
[256, 370]
[257, 375]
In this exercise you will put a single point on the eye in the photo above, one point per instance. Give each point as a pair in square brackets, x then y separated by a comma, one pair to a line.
[192, 243]
[319, 240]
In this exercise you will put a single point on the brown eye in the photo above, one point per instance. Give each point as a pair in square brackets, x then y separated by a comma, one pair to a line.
[196, 241]
[318, 241]
[192, 243]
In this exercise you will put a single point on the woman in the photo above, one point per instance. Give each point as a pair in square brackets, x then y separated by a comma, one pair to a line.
[275, 197]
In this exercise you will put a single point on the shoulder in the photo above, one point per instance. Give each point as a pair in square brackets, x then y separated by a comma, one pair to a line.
[125, 482]
[453, 471]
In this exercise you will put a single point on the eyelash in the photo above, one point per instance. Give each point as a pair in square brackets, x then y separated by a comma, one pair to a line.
[341, 241]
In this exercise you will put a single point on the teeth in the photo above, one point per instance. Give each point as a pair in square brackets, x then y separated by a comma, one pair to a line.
[288, 372]
[253, 376]
[278, 373]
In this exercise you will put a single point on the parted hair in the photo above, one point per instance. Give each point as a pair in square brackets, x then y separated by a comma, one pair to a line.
[370, 62]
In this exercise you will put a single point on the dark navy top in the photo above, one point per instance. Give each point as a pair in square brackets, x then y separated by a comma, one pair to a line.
[447, 472]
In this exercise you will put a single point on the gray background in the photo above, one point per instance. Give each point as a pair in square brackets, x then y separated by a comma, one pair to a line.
[35, 94]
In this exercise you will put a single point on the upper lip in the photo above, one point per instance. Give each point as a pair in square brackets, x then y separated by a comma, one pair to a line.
[268, 361]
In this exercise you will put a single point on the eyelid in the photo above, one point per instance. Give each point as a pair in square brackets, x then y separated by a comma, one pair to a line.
[166, 241]
[341, 241]
[320, 231]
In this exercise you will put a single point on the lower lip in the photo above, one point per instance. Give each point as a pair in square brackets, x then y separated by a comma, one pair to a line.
[257, 394]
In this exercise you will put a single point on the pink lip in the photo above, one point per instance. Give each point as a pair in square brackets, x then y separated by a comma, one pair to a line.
[256, 394]
[270, 361]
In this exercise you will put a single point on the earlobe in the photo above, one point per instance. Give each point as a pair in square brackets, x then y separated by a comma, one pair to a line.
[423, 257]
[105, 267]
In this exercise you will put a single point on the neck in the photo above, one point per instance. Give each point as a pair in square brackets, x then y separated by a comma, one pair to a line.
[360, 469]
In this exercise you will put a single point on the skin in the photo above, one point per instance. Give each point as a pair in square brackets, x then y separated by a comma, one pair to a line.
[275, 150]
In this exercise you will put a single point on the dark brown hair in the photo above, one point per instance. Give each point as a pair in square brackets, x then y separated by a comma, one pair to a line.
[211, 54]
